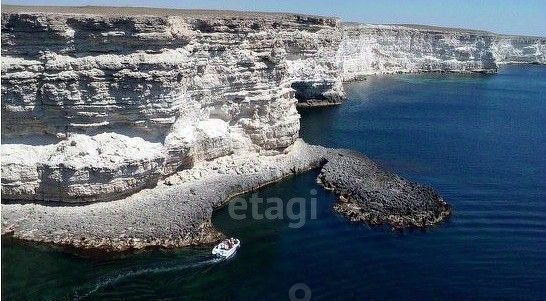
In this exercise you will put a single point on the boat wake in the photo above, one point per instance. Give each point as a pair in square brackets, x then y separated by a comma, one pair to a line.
[108, 281]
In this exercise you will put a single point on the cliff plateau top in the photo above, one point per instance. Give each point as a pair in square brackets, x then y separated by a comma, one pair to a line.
[149, 11]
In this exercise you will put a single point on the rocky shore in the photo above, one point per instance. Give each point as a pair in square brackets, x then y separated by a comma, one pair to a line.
[372, 195]
[175, 213]
[124, 128]
[178, 211]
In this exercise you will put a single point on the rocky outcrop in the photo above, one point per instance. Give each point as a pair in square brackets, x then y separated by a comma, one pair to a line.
[185, 86]
[372, 195]
[81, 168]
[313, 70]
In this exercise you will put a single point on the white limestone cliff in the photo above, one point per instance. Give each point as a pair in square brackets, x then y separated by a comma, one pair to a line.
[367, 49]
[108, 101]
[376, 49]
[519, 50]
[99, 103]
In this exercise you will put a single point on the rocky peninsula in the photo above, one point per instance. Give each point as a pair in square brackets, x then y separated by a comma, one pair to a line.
[124, 128]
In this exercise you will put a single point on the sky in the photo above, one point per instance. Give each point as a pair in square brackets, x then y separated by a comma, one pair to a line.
[527, 17]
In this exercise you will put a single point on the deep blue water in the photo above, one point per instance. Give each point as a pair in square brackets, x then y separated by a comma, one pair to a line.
[480, 140]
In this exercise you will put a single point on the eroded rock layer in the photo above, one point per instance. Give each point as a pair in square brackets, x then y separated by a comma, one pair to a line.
[519, 50]
[167, 88]
[371, 49]
[377, 49]
[99, 103]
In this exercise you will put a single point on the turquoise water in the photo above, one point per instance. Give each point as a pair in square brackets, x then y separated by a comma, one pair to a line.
[480, 140]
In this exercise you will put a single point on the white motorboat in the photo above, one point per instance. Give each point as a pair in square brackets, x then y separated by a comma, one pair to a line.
[227, 248]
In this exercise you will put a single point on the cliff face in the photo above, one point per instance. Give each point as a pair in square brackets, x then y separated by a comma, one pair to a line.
[100, 105]
[519, 50]
[377, 49]
[372, 49]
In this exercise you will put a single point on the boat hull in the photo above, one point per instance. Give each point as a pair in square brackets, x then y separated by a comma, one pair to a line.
[219, 251]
